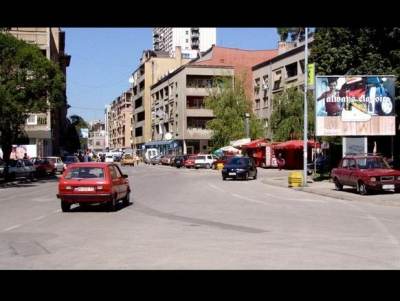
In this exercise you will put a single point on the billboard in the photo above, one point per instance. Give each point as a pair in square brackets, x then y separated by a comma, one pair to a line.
[355, 105]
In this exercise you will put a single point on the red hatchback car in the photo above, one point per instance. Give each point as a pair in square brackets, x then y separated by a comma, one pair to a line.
[93, 182]
[366, 173]
[189, 162]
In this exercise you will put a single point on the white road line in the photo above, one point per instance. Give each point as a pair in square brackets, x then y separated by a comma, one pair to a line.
[11, 228]
[247, 199]
[56, 211]
[215, 187]
[39, 218]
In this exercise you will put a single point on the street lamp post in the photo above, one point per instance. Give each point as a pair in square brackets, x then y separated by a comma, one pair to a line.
[305, 109]
[246, 124]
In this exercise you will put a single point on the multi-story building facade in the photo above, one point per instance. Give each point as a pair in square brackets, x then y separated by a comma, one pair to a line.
[179, 115]
[192, 40]
[153, 66]
[45, 130]
[276, 74]
[97, 135]
[107, 118]
[120, 122]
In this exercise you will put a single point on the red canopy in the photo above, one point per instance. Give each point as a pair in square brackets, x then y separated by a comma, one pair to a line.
[255, 143]
[296, 144]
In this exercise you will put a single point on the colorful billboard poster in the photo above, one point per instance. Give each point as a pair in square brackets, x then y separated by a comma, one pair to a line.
[355, 105]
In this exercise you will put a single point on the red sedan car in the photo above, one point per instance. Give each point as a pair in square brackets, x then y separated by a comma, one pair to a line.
[93, 182]
[43, 167]
[189, 162]
[366, 173]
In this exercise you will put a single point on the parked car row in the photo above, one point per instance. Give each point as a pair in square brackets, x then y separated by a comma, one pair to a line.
[30, 168]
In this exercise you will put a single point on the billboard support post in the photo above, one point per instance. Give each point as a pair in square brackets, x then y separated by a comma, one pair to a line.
[305, 121]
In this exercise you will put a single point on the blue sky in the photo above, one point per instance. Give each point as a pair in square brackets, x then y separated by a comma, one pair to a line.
[104, 58]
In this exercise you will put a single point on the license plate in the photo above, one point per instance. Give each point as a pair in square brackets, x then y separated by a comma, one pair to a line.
[232, 173]
[388, 186]
[84, 189]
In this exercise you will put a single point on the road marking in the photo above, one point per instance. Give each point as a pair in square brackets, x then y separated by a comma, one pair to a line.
[11, 228]
[56, 211]
[215, 187]
[39, 218]
[247, 199]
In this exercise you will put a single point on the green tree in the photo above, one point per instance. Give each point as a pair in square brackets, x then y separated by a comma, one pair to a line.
[29, 83]
[229, 103]
[286, 121]
[79, 123]
[292, 33]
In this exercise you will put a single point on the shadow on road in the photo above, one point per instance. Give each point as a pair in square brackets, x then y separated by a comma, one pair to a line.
[22, 183]
[102, 207]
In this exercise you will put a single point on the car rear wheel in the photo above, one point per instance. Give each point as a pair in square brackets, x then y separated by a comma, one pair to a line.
[255, 176]
[65, 207]
[112, 205]
[208, 166]
[338, 186]
[246, 176]
[362, 188]
[126, 199]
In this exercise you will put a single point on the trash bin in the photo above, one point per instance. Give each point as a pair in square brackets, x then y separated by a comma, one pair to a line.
[295, 179]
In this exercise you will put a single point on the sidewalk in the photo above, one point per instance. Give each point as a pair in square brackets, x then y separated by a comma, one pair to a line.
[327, 188]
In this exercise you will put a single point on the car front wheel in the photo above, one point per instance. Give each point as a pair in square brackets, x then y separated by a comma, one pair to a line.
[362, 188]
[255, 176]
[208, 166]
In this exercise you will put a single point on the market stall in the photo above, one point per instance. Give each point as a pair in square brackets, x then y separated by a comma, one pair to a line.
[292, 152]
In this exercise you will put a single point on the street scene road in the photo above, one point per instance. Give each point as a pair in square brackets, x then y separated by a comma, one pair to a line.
[191, 219]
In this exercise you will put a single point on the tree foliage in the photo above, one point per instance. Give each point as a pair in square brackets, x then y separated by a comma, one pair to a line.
[287, 116]
[292, 33]
[229, 103]
[29, 83]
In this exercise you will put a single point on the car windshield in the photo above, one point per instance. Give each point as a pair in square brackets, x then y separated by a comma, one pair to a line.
[85, 173]
[201, 157]
[238, 161]
[367, 163]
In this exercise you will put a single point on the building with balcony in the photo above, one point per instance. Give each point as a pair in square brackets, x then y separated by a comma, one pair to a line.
[46, 130]
[119, 122]
[178, 111]
[276, 74]
[153, 66]
[97, 136]
[192, 40]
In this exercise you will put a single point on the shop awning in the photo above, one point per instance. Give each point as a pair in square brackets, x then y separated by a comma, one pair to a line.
[256, 143]
[296, 144]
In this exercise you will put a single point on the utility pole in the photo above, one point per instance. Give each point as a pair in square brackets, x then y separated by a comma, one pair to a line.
[305, 109]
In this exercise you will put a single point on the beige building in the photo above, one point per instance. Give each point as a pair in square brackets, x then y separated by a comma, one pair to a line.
[120, 122]
[46, 130]
[153, 66]
[97, 133]
[274, 75]
[178, 111]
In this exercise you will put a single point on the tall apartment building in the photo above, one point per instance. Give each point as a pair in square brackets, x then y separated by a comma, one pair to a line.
[190, 39]
[276, 74]
[153, 66]
[97, 135]
[120, 122]
[179, 116]
[46, 130]
[107, 119]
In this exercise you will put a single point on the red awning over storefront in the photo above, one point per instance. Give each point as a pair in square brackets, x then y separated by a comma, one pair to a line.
[256, 143]
[296, 144]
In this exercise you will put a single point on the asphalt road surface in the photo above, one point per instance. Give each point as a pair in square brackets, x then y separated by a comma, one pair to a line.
[191, 219]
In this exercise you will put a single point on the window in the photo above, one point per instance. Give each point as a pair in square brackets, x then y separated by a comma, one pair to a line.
[32, 120]
[345, 163]
[187, 41]
[85, 173]
[291, 70]
[139, 131]
[352, 164]
[257, 104]
[113, 172]
[138, 103]
[140, 116]
[187, 32]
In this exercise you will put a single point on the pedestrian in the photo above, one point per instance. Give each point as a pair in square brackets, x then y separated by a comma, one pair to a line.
[25, 156]
[86, 157]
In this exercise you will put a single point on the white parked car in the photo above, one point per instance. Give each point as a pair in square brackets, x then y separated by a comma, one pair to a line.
[149, 154]
[204, 161]
[109, 158]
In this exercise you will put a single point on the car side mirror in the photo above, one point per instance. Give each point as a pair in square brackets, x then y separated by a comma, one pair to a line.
[125, 176]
